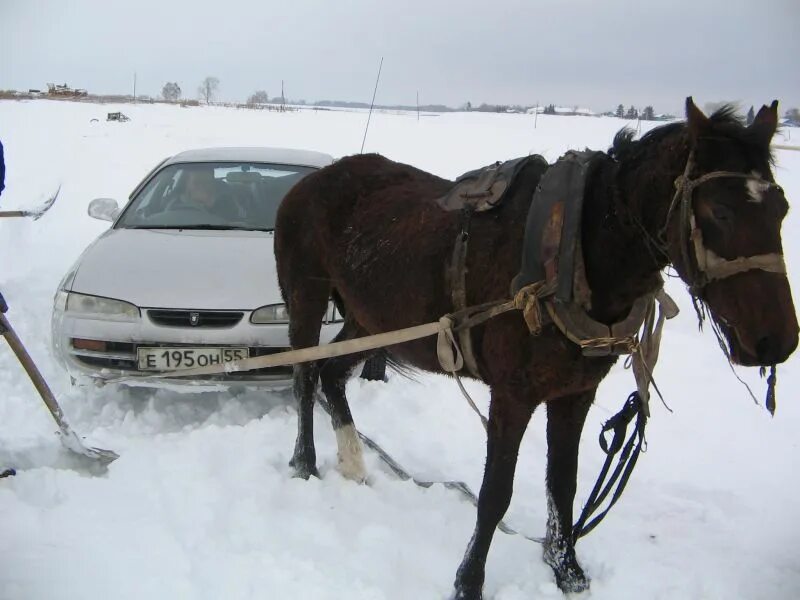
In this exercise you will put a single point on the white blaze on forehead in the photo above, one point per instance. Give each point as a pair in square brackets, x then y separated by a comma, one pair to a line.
[756, 187]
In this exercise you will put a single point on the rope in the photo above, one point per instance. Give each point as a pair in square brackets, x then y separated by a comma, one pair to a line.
[471, 402]
[401, 473]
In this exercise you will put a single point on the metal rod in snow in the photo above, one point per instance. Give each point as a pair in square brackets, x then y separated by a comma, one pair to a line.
[369, 116]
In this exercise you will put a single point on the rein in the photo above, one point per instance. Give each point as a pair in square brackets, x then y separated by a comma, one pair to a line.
[634, 407]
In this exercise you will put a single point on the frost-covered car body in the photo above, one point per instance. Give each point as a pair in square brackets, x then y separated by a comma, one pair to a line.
[176, 282]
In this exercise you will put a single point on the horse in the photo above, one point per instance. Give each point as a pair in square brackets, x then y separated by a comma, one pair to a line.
[366, 232]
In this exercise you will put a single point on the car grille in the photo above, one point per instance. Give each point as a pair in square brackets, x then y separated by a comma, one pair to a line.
[122, 356]
[209, 319]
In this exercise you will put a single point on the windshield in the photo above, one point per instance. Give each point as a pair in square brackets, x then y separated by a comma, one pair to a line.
[212, 196]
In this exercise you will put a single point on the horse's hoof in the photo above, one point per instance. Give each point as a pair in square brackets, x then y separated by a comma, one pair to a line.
[463, 593]
[352, 467]
[302, 470]
[304, 473]
[357, 475]
[571, 579]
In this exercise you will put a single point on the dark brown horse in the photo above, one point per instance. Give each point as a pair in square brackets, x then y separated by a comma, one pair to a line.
[367, 232]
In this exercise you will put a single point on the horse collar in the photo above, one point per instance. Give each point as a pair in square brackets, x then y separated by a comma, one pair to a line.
[552, 253]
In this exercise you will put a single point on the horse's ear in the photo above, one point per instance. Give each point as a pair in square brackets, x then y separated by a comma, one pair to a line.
[766, 122]
[696, 121]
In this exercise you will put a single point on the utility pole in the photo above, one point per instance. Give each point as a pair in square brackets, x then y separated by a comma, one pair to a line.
[536, 115]
[417, 105]
[134, 87]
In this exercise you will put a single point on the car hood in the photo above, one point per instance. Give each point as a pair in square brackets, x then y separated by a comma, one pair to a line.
[210, 270]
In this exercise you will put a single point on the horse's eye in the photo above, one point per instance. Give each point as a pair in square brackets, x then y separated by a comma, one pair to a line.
[722, 214]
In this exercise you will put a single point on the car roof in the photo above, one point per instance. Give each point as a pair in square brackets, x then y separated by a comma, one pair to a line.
[282, 156]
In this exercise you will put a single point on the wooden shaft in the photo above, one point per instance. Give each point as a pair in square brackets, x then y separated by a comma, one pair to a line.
[33, 372]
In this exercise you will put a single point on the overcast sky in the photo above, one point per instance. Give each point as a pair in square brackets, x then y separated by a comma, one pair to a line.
[579, 52]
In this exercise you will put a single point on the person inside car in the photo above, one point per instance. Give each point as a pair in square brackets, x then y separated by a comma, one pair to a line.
[201, 191]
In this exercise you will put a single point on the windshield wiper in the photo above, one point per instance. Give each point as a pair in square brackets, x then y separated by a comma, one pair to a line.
[201, 227]
[150, 227]
[225, 227]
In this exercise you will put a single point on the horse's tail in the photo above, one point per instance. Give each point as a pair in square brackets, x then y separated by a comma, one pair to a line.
[394, 363]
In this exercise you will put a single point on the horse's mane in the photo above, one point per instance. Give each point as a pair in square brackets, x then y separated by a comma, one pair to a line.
[725, 122]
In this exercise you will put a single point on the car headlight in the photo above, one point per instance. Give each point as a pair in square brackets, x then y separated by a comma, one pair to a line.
[101, 308]
[274, 313]
[60, 301]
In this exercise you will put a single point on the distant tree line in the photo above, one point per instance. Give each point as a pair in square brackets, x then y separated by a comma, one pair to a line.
[171, 91]
[206, 91]
[259, 97]
[209, 89]
[646, 114]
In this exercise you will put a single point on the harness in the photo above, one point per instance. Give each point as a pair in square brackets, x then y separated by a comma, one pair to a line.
[553, 276]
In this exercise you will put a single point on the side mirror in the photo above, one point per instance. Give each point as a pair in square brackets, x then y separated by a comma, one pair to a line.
[105, 209]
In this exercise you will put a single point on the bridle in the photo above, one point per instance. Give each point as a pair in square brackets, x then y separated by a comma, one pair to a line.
[703, 265]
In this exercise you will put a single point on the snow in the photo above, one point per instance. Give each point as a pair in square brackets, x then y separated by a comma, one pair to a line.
[201, 504]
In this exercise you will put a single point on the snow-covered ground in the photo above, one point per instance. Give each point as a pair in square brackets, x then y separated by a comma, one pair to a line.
[201, 504]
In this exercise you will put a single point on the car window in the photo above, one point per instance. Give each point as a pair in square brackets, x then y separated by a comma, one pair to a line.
[212, 196]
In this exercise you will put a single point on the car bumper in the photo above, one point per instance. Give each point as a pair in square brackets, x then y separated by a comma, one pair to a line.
[121, 340]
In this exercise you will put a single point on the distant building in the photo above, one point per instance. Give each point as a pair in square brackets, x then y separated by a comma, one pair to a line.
[64, 91]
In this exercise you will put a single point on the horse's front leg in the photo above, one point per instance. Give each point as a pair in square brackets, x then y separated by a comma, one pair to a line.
[565, 418]
[509, 414]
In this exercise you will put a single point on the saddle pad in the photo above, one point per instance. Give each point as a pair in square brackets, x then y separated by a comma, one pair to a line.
[485, 188]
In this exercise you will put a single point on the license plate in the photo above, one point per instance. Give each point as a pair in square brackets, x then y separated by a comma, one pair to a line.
[171, 359]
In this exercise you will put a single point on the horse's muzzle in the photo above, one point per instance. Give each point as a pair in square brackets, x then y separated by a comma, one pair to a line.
[769, 350]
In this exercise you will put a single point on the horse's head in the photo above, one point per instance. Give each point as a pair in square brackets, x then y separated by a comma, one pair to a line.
[724, 234]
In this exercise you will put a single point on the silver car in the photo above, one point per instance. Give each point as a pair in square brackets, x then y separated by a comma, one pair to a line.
[186, 274]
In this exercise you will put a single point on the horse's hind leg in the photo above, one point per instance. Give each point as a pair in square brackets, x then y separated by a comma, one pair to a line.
[565, 418]
[307, 310]
[334, 374]
[509, 414]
